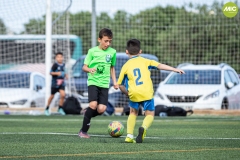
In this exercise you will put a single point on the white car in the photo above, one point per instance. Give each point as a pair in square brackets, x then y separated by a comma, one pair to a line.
[202, 87]
[21, 89]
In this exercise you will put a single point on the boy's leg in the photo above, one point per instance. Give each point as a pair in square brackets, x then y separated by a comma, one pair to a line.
[46, 112]
[62, 97]
[134, 106]
[91, 111]
[53, 91]
[50, 100]
[147, 122]
[101, 108]
[102, 101]
[131, 124]
[149, 117]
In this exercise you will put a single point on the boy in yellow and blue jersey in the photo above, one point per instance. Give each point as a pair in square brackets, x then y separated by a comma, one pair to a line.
[135, 82]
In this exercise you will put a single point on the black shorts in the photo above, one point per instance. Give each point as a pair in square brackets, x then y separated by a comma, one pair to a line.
[55, 90]
[98, 94]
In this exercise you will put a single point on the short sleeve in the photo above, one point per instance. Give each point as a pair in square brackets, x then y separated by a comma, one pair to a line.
[114, 59]
[153, 64]
[54, 67]
[88, 58]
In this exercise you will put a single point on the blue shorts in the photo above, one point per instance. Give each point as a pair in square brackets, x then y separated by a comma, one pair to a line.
[147, 105]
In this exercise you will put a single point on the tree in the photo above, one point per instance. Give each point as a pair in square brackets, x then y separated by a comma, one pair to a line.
[35, 26]
[194, 33]
[80, 24]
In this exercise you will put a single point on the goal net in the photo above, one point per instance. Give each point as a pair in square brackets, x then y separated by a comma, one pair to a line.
[194, 36]
[22, 49]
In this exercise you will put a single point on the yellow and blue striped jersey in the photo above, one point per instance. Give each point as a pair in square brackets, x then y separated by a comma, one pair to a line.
[135, 75]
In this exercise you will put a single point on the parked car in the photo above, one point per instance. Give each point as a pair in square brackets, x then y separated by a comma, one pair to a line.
[164, 74]
[116, 98]
[202, 87]
[21, 89]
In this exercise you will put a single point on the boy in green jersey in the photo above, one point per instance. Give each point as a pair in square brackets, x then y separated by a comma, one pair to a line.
[99, 64]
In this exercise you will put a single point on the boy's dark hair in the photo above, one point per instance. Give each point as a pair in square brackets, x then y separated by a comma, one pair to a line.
[105, 32]
[58, 53]
[133, 46]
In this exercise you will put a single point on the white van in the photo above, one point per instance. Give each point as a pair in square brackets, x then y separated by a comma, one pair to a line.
[21, 89]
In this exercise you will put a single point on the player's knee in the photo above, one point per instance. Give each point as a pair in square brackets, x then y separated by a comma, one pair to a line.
[133, 111]
[62, 96]
[147, 112]
[93, 105]
[51, 97]
[101, 109]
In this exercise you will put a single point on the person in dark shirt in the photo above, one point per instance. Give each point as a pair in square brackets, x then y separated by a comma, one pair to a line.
[58, 84]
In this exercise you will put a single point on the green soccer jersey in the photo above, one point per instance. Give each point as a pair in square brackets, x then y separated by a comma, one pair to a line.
[102, 60]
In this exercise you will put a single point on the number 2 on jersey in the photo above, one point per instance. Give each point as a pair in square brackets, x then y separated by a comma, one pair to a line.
[137, 73]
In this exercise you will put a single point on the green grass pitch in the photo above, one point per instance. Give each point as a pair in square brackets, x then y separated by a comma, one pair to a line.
[55, 137]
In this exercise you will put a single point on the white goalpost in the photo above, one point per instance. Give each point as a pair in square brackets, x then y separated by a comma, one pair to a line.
[29, 38]
[48, 49]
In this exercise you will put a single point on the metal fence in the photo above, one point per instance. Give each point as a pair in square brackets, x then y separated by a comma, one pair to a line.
[177, 32]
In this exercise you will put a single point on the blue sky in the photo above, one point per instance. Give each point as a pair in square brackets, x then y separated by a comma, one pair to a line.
[17, 12]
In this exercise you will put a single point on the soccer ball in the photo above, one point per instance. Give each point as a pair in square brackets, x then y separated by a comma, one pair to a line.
[115, 129]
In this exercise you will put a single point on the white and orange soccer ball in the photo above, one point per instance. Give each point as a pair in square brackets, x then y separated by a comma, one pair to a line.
[115, 129]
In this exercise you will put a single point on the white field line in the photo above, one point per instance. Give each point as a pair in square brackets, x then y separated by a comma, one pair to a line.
[102, 120]
[93, 135]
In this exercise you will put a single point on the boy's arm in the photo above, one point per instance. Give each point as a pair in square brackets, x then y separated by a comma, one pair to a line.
[169, 68]
[112, 71]
[113, 75]
[54, 67]
[85, 68]
[55, 73]
[87, 61]
[123, 89]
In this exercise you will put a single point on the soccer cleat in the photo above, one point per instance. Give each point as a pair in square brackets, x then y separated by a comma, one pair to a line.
[129, 140]
[47, 113]
[61, 111]
[141, 135]
[83, 135]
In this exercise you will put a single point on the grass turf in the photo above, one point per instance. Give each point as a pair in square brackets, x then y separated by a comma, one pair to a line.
[55, 137]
